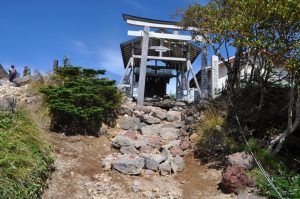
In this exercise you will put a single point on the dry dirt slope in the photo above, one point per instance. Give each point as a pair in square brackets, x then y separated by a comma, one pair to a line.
[78, 173]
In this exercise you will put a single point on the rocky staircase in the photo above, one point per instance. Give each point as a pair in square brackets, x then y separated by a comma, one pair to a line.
[151, 140]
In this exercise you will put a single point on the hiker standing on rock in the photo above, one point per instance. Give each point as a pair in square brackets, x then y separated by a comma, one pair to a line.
[26, 71]
[12, 73]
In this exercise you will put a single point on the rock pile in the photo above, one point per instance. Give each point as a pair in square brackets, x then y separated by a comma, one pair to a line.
[152, 140]
[21, 94]
[234, 175]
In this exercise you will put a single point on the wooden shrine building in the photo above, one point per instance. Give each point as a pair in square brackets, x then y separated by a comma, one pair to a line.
[161, 50]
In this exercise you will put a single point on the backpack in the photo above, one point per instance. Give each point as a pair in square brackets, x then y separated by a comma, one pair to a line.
[13, 71]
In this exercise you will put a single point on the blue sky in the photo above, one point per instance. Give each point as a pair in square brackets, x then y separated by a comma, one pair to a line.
[35, 32]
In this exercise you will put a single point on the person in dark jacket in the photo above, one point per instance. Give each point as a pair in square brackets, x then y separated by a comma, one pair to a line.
[12, 73]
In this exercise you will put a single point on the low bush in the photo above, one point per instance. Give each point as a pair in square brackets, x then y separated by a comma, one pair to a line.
[214, 143]
[25, 163]
[81, 101]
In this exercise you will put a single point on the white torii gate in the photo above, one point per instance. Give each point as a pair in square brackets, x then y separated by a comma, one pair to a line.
[147, 24]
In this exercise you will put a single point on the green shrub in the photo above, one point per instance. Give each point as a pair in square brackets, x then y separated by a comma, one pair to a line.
[288, 185]
[25, 163]
[81, 101]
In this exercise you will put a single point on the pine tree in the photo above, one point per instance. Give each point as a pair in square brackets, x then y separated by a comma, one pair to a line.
[81, 101]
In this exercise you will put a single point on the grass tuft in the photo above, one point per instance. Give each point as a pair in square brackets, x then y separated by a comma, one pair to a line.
[25, 161]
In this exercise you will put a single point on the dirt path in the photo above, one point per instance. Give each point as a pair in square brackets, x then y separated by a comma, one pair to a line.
[200, 181]
[78, 174]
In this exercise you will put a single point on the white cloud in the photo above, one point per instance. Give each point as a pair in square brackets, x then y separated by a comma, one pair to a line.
[80, 47]
[136, 5]
[111, 60]
[108, 58]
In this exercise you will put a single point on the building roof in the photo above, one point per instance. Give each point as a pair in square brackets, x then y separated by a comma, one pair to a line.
[208, 68]
[135, 18]
[177, 49]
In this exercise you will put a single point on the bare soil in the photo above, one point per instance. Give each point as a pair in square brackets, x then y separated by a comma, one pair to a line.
[201, 181]
[78, 174]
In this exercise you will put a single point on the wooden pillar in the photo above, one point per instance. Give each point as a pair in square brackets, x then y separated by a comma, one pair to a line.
[142, 79]
[132, 70]
[55, 65]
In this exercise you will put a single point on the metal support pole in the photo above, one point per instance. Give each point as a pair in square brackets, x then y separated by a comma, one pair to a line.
[123, 76]
[195, 78]
[132, 78]
[141, 93]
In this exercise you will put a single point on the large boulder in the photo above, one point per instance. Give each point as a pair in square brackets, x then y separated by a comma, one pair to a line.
[150, 130]
[151, 164]
[120, 141]
[234, 178]
[173, 116]
[159, 113]
[130, 166]
[132, 123]
[150, 119]
[129, 150]
[132, 134]
[156, 157]
[241, 159]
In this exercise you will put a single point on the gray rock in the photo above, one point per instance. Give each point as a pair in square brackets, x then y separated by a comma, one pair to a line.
[180, 104]
[132, 123]
[176, 151]
[165, 168]
[124, 109]
[140, 143]
[169, 133]
[21, 81]
[150, 119]
[172, 125]
[160, 114]
[145, 109]
[151, 164]
[120, 141]
[241, 159]
[156, 157]
[150, 130]
[129, 166]
[174, 143]
[177, 164]
[107, 162]
[189, 120]
[166, 153]
[128, 150]
[185, 144]
[173, 116]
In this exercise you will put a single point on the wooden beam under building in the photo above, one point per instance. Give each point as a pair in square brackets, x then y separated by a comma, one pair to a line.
[152, 34]
[162, 58]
